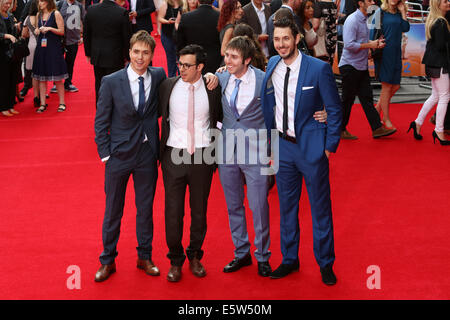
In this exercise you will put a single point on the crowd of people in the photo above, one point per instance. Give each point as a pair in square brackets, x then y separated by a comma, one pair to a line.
[246, 65]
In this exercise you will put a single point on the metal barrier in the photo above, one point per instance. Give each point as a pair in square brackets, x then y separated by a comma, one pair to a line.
[419, 15]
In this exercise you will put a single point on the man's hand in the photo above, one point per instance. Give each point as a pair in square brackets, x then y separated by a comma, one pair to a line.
[211, 81]
[88, 59]
[263, 37]
[132, 14]
[327, 153]
[222, 69]
[321, 116]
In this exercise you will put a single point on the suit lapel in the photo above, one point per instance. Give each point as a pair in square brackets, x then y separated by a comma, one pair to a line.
[165, 97]
[301, 79]
[152, 89]
[127, 89]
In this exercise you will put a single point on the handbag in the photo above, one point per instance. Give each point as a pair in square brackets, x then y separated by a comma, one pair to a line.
[320, 49]
[19, 50]
[377, 53]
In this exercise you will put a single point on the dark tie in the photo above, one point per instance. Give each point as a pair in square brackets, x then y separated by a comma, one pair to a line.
[285, 101]
[233, 98]
[141, 103]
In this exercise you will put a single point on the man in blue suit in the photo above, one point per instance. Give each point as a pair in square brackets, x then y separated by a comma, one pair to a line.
[241, 86]
[127, 137]
[295, 86]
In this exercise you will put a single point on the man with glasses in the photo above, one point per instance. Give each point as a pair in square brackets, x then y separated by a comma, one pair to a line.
[188, 113]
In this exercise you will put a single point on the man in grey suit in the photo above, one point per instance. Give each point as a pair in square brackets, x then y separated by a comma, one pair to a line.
[242, 113]
[127, 137]
[241, 103]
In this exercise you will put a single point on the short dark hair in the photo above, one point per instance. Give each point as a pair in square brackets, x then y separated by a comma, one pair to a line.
[205, 1]
[244, 45]
[197, 51]
[357, 3]
[286, 23]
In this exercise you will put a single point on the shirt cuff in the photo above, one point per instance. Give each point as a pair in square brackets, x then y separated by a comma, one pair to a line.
[105, 159]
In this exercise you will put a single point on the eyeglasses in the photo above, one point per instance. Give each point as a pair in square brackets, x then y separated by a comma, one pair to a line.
[184, 65]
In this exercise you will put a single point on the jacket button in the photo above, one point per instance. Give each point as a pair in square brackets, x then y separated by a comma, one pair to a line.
[237, 120]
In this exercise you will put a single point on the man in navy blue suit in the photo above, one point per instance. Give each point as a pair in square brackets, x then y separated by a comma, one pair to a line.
[294, 87]
[127, 137]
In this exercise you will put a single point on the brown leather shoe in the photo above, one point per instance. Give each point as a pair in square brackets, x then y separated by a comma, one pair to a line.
[347, 135]
[148, 266]
[197, 268]
[174, 274]
[105, 271]
[382, 132]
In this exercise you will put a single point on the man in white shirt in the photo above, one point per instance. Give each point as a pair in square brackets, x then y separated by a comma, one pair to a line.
[126, 133]
[256, 14]
[188, 113]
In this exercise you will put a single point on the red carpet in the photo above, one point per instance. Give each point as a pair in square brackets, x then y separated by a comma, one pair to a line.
[390, 205]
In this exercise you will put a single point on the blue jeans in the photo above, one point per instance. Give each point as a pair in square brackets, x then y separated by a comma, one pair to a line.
[171, 56]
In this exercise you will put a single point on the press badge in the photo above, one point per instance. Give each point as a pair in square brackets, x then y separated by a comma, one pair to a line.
[44, 42]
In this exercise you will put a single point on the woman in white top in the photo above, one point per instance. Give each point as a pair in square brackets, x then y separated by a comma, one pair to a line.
[306, 13]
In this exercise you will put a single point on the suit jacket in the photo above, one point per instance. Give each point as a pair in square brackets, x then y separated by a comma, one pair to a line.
[119, 128]
[107, 40]
[200, 27]
[251, 18]
[251, 118]
[165, 91]
[316, 88]
[144, 8]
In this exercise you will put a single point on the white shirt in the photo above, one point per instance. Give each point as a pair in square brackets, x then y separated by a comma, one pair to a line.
[246, 91]
[133, 78]
[262, 20]
[178, 115]
[278, 84]
[133, 8]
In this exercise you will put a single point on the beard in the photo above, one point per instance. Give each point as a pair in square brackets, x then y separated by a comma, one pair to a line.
[289, 54]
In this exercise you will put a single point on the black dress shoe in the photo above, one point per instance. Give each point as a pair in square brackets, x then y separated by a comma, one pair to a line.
[264, 269]
[236, 264]
[328, 276]
[284, 269]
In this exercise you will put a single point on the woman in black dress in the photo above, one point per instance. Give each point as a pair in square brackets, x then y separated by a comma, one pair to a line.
[8, 75]
[48, 63]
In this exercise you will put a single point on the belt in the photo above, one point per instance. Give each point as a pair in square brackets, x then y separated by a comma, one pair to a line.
[286, 137]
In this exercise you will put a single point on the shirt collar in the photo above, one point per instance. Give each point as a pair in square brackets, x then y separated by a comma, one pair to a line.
[256, 8]
[295, 66]
[245, 77]
[196, 84]
[361, 15]
[133, 76]
[286, 6]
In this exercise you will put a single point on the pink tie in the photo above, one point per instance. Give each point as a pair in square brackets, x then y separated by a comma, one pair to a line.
[190, 125]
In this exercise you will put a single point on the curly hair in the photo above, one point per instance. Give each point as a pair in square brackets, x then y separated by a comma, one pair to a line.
[226, 12]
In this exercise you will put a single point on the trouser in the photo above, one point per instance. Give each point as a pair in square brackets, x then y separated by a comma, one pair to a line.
[99, 73]
[71, 54]
[357, 83]
[293, 169]
[232, 179]
[440, 95]
[117, 173]
[8, 82]
[176, 178]
[171, 55]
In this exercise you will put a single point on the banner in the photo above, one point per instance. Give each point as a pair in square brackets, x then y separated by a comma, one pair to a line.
[413, 48]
